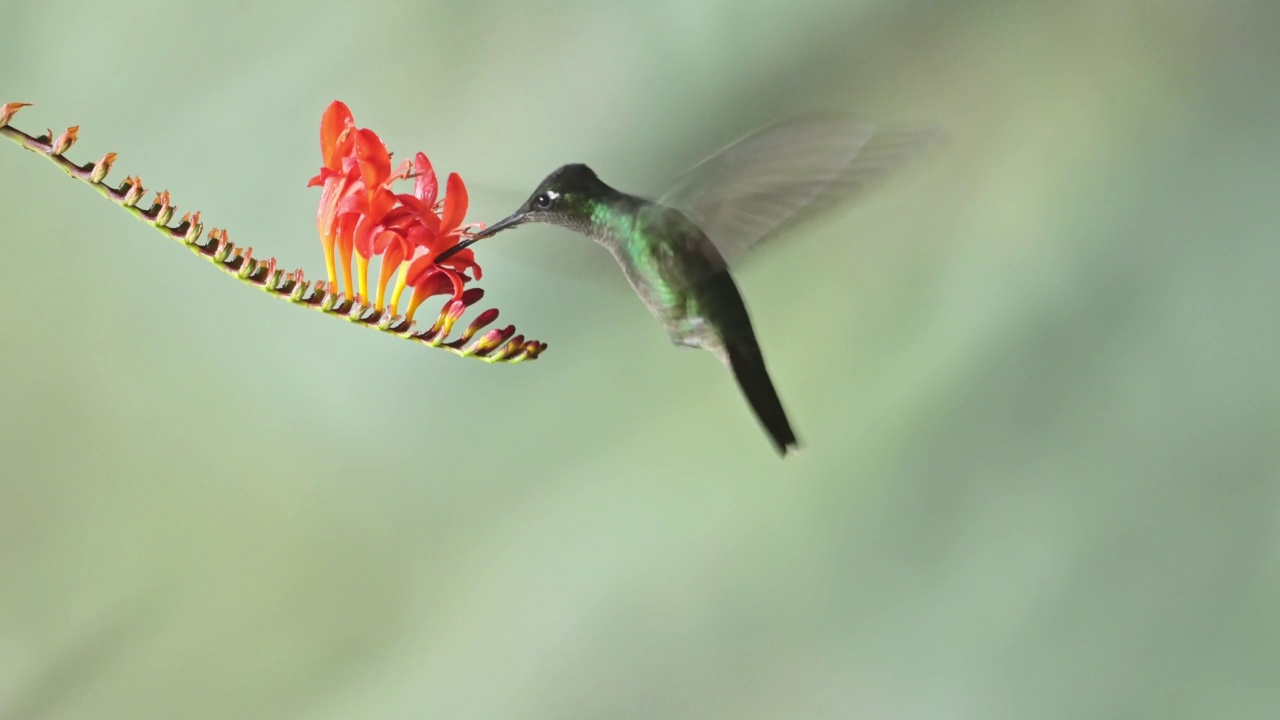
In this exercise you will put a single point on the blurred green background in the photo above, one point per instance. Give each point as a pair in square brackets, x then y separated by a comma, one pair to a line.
[1034, 376]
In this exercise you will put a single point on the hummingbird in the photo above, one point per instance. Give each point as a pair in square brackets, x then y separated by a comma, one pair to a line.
[677, 251]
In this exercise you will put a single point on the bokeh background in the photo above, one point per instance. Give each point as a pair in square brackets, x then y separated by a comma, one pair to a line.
[1034, 375]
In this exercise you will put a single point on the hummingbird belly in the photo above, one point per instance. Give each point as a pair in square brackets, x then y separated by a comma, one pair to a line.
[668, 305]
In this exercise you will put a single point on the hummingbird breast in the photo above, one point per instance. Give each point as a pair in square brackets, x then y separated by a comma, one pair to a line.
[671, 265]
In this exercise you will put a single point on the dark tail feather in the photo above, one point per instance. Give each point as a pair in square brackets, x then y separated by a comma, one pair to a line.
[748, 367]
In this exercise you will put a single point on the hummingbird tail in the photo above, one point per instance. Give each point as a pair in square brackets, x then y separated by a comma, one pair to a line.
[748, 368]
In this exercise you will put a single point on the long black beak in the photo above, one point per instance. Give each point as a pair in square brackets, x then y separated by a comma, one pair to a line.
[506, 223]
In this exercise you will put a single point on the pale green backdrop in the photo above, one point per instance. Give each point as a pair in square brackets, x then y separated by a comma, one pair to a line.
[1035, 376]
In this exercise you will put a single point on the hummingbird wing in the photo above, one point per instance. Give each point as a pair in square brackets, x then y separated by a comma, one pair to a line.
[788, 172]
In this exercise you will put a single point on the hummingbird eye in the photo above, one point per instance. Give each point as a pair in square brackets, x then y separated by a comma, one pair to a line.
[542, 201]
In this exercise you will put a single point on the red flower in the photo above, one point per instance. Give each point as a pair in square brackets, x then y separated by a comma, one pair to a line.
[422, 272]
[369, 203]
[336, 176]
[360, 214]
[358, 211]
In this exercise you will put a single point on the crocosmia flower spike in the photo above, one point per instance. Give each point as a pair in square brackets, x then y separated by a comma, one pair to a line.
[361, 217]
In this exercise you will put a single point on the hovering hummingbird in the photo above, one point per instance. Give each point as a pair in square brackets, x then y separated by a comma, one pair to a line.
[677, 252]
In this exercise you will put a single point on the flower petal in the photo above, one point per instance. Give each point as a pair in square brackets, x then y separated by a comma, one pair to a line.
[436, 283]
[381, 202]
[462, 261]
[384, 239]
[346, 237]
[375, 161]
[334, 138]
[422, 212]
[420, 265]
[390, 263]
[392, 259]
[425, 184]
[455, 203]
[365, 227]
[330, 197]
[355, 201]
[420, 239]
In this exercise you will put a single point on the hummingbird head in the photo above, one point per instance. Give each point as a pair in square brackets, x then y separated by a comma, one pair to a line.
[565, 198]
[562, 198]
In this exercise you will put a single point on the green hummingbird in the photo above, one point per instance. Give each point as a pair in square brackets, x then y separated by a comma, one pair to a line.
[677, 252]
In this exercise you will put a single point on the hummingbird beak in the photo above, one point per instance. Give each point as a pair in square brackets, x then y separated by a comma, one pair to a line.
[508, 222]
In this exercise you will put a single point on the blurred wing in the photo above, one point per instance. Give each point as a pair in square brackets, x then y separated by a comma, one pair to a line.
[788, 172]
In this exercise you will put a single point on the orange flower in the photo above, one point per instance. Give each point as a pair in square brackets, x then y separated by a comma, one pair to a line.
[423, 273]
[360, 214]
[336, 176]
[412, 225]
[370, 202]
[358, 211]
